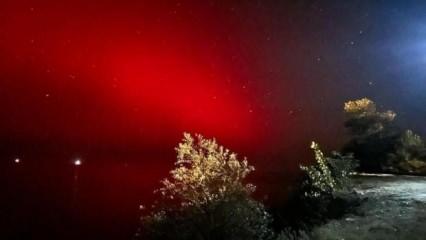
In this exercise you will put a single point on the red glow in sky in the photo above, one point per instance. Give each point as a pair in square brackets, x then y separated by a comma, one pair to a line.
[115, 83]
[89, 73]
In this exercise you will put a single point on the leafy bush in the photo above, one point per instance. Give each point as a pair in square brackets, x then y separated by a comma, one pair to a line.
[341, 167]
[206, 197]
[206, 172]
[239, 218]
[374, 135]
[410, 154]
[378, 144]
[319, 178]
[329, 174]
[364, 119]
[323, 193]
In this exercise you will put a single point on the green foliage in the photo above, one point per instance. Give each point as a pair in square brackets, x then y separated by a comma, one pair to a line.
[237, 218]
[373, 135]
[410, 146]
[210, 199]
[364, 119]
[410, 154]
[205, 172]
[378, 144]
[329, 174]
[319, 177]
[342, 166]
[324, 192]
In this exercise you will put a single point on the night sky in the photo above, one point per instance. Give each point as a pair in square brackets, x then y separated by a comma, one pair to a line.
[115, 83]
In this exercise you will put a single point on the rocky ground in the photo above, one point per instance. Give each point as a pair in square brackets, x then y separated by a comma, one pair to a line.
[394, 208]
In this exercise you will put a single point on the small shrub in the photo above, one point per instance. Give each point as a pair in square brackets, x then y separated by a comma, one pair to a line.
[324, 192]
[329, 174]
[409, 156]
[341, 167]
[206, 197]
[238, 218]
[206, 172]
[319, 179]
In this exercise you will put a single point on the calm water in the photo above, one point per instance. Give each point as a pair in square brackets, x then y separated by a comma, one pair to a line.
[61, 201]
[51, 198]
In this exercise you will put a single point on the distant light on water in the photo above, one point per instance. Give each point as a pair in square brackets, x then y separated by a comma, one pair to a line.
[77, 162]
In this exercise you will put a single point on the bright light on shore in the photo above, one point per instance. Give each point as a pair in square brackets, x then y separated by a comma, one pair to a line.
[77, 162]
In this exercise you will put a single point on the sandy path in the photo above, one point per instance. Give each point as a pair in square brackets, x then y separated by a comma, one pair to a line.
[395, 209]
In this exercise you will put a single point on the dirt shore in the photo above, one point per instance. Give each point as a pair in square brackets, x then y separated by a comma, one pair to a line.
[394, 208]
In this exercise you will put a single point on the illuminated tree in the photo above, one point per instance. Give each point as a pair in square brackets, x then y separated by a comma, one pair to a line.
[206, 172]
[328, 174]
[378, 144]
[319, 175]
[373, 134]
[364, 119]
[205, 197]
